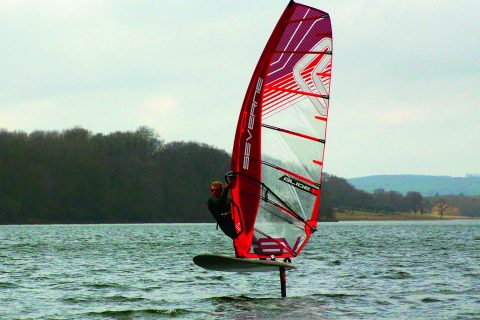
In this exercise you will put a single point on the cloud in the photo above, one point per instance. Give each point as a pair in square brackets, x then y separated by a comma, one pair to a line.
[23, 115]
[158, 105]
[158, 111]
[399, 116]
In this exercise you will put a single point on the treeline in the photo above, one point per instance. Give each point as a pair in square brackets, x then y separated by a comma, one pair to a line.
[75, 176]
[340, 195]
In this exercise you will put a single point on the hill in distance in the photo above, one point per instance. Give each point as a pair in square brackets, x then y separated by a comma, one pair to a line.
[426, 185]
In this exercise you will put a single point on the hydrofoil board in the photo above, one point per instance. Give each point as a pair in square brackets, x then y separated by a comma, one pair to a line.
[231, 264]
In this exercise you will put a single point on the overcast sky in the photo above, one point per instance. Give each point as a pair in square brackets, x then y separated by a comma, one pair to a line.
[405, 89]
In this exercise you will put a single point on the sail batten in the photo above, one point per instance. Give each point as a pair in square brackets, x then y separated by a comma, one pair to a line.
[303, 52]
[290, 173]
[309, 19]
[304, 136]
[280, 138]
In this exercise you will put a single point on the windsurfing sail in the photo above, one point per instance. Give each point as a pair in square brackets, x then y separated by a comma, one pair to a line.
[277, 157]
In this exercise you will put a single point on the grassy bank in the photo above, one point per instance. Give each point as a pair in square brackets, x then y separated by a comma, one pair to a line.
[376, 216]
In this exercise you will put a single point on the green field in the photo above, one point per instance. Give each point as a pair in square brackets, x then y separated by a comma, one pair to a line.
[376, 216]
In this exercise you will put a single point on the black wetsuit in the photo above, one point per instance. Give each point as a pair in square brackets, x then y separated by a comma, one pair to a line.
[220, 209]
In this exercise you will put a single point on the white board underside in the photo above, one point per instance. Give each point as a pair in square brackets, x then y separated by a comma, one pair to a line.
[231, 264]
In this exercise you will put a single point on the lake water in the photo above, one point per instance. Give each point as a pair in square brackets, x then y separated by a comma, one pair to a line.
[350, 270]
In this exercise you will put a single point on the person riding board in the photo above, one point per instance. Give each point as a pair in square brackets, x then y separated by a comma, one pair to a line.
[219, 206]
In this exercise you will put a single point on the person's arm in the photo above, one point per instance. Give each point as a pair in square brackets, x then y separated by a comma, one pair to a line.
[224, 195]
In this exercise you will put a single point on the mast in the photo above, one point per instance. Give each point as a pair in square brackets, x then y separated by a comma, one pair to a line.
[283, 282]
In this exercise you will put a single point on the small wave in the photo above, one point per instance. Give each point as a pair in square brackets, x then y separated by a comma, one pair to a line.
[119, 298]
[114, 298]
[232, 298]
[175, 280]
[134, 313]
[333, 295]
[105, 285]
[448, 291]
[99, 270]
[202, 278]
[8, 285]
[398, 275]
[151, 288]
[75, 300]
[430, 300]
[336, 262]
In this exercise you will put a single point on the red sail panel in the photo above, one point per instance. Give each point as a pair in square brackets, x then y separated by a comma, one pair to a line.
[278, 151]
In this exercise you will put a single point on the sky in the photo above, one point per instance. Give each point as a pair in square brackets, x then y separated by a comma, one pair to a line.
[405, 89]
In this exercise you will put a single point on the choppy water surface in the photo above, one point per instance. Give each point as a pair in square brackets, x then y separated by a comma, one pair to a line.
[350, 270]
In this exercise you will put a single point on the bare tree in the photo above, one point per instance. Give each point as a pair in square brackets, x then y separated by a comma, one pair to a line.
[441, 206]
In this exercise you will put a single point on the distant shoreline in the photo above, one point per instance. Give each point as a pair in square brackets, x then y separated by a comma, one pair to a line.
[338, 216]
[363, 216]
[400, 216]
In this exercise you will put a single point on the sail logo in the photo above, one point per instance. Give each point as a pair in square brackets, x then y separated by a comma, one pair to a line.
[298, 184]
[312, 74]
[251, 123]
[276, 246]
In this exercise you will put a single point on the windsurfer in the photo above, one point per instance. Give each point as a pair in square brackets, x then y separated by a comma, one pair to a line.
[219, 206]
